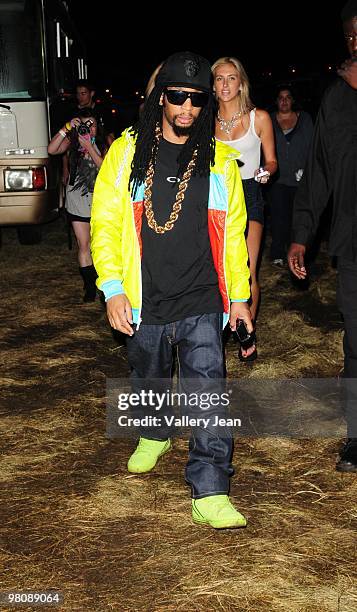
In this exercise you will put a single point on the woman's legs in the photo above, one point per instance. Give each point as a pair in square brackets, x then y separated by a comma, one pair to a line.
[254, 239]
[87, 271]
[82, 234]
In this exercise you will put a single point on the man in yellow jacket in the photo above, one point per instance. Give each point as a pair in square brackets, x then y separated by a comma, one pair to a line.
[168, 221]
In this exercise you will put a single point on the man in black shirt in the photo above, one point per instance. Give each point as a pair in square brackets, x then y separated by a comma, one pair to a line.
[85, 93]
[171, 257]
[332, 170]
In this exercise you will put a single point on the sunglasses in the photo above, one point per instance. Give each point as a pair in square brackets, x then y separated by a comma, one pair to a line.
[178, 97]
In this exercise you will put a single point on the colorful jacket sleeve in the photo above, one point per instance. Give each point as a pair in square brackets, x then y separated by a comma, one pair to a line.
[236, 249]
[107, 215]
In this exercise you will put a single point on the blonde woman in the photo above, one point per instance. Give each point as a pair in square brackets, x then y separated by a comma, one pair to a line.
[248, 130]
[150, 86]
[151, 82]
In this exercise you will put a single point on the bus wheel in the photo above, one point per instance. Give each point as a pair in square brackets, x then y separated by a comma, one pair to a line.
[29, 234]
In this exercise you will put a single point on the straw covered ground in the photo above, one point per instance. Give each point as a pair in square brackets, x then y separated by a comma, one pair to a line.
[74, 520]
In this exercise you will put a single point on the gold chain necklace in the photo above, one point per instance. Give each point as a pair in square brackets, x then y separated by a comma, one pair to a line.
[228, 125]
[177, 205]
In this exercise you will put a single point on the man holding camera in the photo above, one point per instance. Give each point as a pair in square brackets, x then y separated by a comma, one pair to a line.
[332, 170]
[168, 244]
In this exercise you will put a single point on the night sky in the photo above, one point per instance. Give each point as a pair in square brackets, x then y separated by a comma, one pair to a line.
[123, 48]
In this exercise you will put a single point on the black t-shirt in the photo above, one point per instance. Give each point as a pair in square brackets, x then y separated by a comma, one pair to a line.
[178, 274]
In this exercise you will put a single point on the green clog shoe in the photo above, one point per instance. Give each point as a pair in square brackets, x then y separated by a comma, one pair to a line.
[218, 512]
[146, 455]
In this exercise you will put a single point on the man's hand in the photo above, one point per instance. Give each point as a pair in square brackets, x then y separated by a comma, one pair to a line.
[119, 314]
[348, 71]
[296, 262]
[240, 310]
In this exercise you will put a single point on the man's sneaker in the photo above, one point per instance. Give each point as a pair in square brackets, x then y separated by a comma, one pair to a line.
[217, 511]
[146, 455]
[278, 262]
[348, 457]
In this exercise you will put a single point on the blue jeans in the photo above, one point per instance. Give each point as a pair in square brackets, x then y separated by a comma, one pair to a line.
[200, 357]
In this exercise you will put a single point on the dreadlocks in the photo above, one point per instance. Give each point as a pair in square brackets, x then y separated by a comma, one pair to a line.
[349, 10]
[201, 137]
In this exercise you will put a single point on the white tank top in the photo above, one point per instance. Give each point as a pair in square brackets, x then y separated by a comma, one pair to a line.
[249, 147]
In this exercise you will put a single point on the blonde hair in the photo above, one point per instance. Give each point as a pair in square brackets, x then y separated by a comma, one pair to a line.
[246, 105]
[151, 82]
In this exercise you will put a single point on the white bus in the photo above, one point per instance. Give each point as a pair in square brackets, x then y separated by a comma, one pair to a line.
[41, 56]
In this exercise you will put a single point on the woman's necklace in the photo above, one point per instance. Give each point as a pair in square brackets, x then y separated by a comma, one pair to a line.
[228, 125]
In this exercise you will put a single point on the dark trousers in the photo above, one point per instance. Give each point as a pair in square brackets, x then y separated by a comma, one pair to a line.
[200, 358]
[281, 199]
[347, 303]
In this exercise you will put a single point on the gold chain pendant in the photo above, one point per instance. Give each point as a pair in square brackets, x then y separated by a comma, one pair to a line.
[177, 205]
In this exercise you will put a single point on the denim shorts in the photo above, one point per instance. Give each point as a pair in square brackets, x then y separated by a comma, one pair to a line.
[253, 200]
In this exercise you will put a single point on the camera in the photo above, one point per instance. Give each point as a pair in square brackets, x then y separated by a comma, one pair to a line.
[245, 338]
[83, 129]
[262, 173]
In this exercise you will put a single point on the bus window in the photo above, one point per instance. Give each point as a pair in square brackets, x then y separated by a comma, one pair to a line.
[21, 67]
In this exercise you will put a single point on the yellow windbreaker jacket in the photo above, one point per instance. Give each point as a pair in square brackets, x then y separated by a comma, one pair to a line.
[116, 226]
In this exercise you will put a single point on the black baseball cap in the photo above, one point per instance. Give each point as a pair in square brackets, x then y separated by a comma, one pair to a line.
[185, 69]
